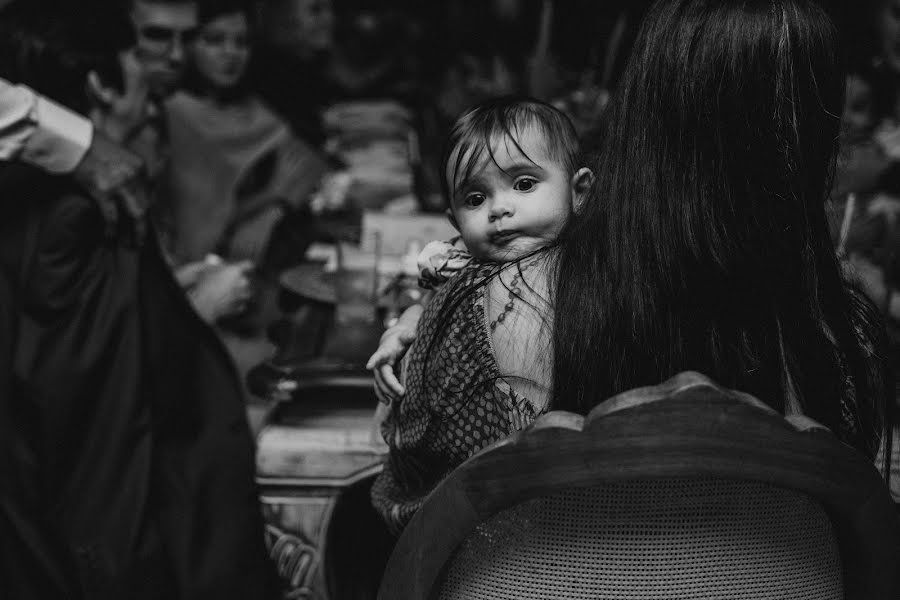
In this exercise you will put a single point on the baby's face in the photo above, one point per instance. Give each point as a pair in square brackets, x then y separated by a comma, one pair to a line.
[514, 206]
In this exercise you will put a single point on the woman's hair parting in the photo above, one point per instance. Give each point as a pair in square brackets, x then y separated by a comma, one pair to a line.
[502, 120]
[704, 245]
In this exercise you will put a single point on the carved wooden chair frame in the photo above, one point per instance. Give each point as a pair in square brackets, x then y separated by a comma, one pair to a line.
[687, 427]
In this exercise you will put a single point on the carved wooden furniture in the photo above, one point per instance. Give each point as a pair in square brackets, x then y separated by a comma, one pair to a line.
[682, 490]
[315, 462]
[318, 449]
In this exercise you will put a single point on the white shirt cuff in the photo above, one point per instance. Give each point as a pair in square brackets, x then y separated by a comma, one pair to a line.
[60, 140]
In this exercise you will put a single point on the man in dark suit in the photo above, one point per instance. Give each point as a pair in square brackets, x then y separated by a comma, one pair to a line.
[126, 461]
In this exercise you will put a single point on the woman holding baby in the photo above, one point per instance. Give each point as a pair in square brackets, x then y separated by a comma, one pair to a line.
[696, 241]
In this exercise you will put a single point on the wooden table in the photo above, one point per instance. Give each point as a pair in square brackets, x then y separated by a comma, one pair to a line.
[319, 449]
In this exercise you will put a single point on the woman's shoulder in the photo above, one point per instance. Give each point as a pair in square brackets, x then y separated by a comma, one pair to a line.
[518, 308]
[496, 290]
[184, 106]
[467, 279]
[533, 272]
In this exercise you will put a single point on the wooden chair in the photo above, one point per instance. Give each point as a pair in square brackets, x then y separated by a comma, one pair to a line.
[683, 490]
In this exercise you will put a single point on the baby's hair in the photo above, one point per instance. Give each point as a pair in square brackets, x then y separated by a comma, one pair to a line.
[475, 132]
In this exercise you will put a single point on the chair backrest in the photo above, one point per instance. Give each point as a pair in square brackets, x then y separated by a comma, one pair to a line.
[678, 538]
[682, 490]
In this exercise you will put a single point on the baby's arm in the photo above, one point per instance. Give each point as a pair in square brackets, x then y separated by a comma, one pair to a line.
[437, 262]
[393, 345]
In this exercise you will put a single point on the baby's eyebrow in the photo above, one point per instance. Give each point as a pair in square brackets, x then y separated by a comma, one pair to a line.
[466, 185]
[518, 168]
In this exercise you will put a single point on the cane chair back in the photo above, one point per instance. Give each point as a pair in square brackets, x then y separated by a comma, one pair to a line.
[682, 490]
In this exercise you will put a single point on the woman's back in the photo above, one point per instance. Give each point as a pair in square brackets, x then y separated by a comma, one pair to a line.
[705, 246]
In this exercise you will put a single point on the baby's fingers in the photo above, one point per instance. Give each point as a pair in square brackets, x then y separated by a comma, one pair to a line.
[390, 380]
[379, 393]
[379, 358]
[382, 391]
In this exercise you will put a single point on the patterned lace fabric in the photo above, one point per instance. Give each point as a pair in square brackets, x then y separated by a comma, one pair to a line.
[456, 402]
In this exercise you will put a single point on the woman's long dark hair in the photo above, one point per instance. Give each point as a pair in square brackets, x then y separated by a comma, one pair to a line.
[704, 245]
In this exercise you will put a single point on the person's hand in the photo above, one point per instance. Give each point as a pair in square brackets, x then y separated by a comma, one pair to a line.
[332, 193]
[222, 291]
[112, 176]
[393, 345]
[189, 274]
[121, 112]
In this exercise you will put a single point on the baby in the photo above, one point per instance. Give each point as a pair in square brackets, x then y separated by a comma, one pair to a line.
[512, 178]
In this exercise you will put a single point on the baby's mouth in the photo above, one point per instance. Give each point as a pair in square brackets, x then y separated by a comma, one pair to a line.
[504, 237]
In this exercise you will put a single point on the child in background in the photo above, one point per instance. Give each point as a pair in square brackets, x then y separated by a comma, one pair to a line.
[512, 180]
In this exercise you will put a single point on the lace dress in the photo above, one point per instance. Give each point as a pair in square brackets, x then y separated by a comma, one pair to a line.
[456, 401]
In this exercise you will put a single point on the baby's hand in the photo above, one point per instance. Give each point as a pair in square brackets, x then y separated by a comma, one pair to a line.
[394, 344]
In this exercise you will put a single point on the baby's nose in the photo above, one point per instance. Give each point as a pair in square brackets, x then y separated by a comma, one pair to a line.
[500, 210]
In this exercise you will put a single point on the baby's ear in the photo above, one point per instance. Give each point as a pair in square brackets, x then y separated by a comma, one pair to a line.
[452, 219]
[581, 187]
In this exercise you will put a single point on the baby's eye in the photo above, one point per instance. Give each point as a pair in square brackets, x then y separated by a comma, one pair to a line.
[526, 184]
[474, 200]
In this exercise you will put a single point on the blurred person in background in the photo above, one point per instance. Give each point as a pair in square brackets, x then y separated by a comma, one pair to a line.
[40, 132]
[885, 24]
[37, 131]
[870, 162]
[236, 168]
[289, 64]
[163, 29]
[865, 205]
[238, 183]
[378, 53]
[128, 464]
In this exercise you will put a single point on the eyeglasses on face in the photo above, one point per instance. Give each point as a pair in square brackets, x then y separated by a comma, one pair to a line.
[162, 39]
